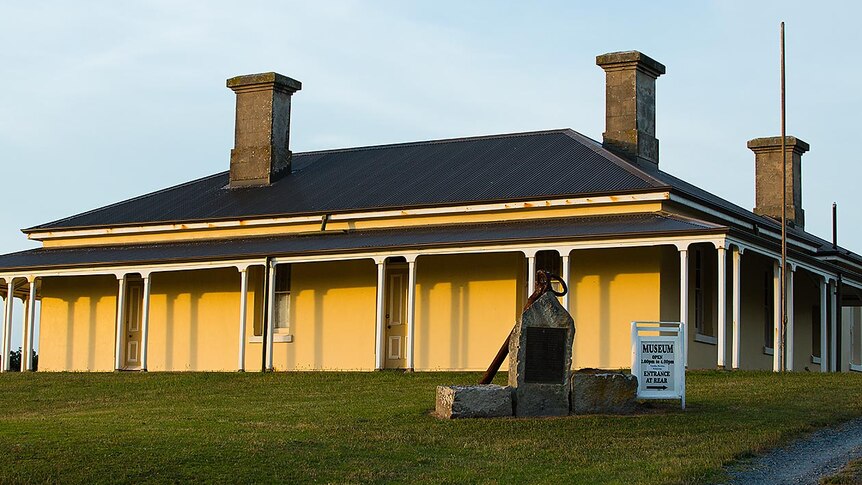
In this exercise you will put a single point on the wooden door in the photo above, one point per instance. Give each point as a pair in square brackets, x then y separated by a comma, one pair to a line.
[132, 326]
[395, 344]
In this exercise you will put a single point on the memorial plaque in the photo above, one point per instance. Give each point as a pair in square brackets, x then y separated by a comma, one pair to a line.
[540, 359]
[546, 355]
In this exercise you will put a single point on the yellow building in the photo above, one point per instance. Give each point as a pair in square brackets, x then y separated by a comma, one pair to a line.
[420, 255]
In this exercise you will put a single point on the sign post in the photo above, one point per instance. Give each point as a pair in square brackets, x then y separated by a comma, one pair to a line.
[658, 350]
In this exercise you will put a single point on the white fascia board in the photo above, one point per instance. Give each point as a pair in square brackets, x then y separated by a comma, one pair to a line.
[777, 235]
[842, 260]
[726, 217]
[746, 246]
[120, 270]
[350, 216]
[707, 210]
[563, 248]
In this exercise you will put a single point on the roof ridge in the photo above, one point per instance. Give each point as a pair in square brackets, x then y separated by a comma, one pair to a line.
[597, 147]
[433, 142]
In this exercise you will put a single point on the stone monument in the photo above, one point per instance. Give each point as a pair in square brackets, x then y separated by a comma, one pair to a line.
[540, 359]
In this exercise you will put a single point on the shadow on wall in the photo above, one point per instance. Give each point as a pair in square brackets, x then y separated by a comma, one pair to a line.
[332, 317]
[465, 307]
[610, 289]
[193, 320]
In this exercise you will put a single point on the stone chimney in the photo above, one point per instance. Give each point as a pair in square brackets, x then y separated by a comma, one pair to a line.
[261, 152]
[630, 106]
[767, 176]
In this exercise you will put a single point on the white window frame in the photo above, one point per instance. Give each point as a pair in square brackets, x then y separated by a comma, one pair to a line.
[281, 325]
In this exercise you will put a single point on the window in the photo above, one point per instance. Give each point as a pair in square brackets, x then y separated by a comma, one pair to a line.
[704, 327]
[768, 309]
[281, 303]
[282, 298]
[698, 292]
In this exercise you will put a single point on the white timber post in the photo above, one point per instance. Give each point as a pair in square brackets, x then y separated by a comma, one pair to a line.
[824, 359]
[378, 334]
[776, 314]
[566, 278]
[531, 272]
[270, 316]
[722, 306]
[243, 309]
[788, 345]
[121, 319]
[27, 354]
[24, 344]
[7, 324]
[145, 320]
[737, 280]
[833, 325]
[683, 296]
[3, 332]
[411, 312]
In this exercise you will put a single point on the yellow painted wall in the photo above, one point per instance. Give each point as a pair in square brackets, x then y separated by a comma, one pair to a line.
[77, 323]
[194, 321]
[466, 305]
[612, 288]
[332, 315]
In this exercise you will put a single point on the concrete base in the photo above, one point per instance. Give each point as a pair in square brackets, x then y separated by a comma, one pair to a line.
[481, 401]
[604, 393]
[541, 400]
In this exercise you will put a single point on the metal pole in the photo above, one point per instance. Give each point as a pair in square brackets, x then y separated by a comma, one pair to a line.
[783, 285]
[834, 225]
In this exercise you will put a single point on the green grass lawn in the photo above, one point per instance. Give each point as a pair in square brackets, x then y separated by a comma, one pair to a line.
[376, 427]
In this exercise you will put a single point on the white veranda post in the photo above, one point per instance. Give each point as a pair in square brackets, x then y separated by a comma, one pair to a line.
[722, 307]
[243, 309]
[737, 264]
[27, 353]
[566, 277]
[6, 301]
[788, 345]
[411, 312]
[776, 316]
[824, 359]
[531, 274]
[378, 334]
[121, 316]
[145, 321]
[683, 297]
[7, 324]
[833, 327]
[270, 316]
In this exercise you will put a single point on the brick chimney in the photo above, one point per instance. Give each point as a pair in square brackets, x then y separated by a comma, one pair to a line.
[261, 152]
[767, 176]
[630, 106]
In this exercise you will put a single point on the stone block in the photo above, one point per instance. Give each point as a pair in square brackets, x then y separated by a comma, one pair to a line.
[604, 393]
[480, 401]
[540, 359]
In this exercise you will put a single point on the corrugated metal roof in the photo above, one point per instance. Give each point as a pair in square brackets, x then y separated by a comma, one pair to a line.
[353, 241]
[519, 166]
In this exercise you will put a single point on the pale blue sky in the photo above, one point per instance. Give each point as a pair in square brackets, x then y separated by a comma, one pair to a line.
[102, 101]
